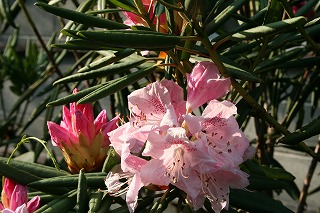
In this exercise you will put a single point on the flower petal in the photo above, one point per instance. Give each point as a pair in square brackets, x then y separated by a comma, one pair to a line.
[205, 84]
[19, 196]
[60, 135]
[100, 120]
[33, 204]
[132, 193]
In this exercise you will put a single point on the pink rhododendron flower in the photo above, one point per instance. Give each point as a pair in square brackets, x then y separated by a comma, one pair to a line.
[199, 154]
[83, 140]
[205, 84]
[133, 19]
[14, 198]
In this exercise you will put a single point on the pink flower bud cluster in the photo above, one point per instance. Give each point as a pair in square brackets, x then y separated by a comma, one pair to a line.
[199, 154]
[14, 198]
[82, 139]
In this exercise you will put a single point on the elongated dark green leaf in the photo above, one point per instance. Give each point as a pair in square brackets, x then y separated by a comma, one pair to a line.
[18, 175]
[82, 199]
[123, 5]
[5, 12]
[82, 18]
[39, 170]
[279, 59]
[137, 39]
[116, 86]
[304, 62]
[14, 12]
[312, 129]
[71, 33]
[76, 96]
[274, 13]
[79, 44]
[238, 73]
[268, 29]
[83, 7]
[105, 11]
[273, 173]
[256, 202]
[60, 204]
[24, 178]
[107, 60]
[224, 15]
[258, 182]
[70, 181]
[105, 71]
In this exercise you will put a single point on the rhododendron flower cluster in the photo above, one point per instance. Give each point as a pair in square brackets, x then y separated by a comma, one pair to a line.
[199, 154]
[14, 198]
[83, 140]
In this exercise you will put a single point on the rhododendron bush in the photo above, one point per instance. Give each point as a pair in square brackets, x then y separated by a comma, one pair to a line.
[166, 106]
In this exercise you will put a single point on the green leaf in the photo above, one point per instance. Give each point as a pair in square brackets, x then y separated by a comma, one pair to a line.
[278, 60]
[224, 15]
[76, 96]
[137, 39]
[303, 62]
[105, 71]
[119, 84]
[82, 18]
[114, 57]
[268, 29]
[308, 131]
[123, 5]
[275, 11]
[272, 173]
[112, 160]
[95, 180]
[39, 170]
[256, 202]
[60, 204]
[82, 193]
[79, 44]
[18, 175]
[258, 182]
[239, 73]
[24, 178]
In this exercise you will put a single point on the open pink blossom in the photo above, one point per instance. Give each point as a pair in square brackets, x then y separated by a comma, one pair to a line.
[173, 158]
[14, 198]
[205, 84]
[225, 140]
[83, 140]
[216, 187]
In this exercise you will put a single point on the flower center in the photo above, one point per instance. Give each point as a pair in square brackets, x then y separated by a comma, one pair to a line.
[176, 166]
